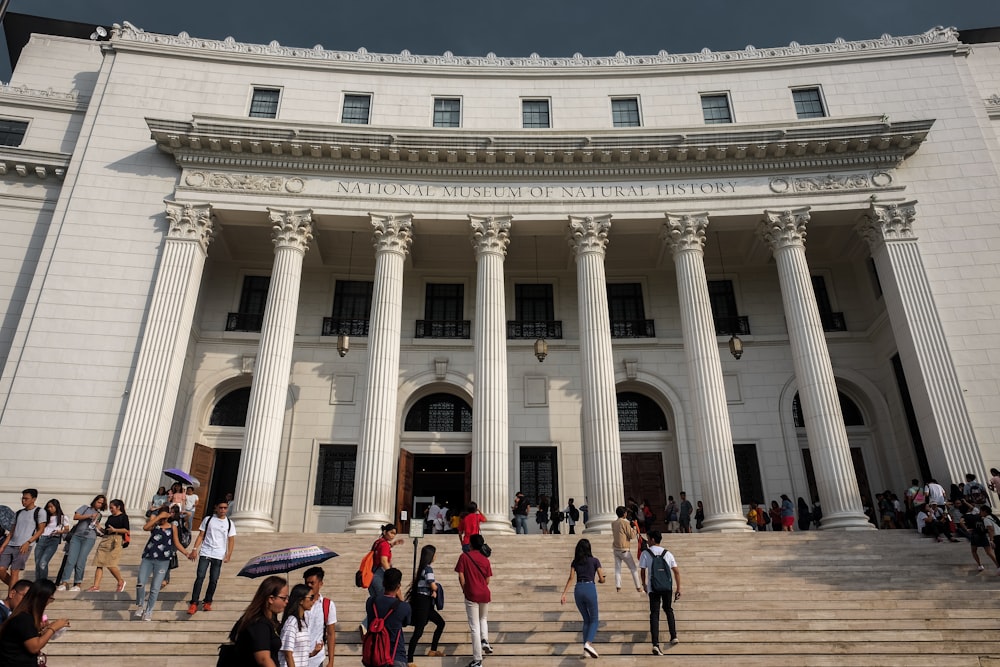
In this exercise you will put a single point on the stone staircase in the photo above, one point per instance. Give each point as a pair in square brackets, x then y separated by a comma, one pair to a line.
[881, 598]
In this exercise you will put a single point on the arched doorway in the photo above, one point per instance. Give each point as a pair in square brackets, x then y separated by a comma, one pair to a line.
[216, 460]
[645, 434]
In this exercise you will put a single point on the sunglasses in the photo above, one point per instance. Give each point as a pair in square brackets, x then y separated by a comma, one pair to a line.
[282, 597]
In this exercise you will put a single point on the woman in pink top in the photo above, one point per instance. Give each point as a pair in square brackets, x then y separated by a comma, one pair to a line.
[469, 525]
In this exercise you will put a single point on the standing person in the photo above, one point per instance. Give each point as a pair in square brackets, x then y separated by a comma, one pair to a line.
[430, 517]
[297, 646]
[162, 543]
[190, 506]
[980, 536]
[48, 544]
[685, 513]
[994, 483]
[469, 523]
[109, 551]
[214, 546]
[775, 513]
[542, 515]
[935, 493]
[788, 513]
[653, 558]
[572, 513]
[521, 507]
[397, 614]
[623, 533]
[29, 524]
[805, 516]
[587, 570]
[556, 516]
[673, 516]
[322, 619]
[422, 597]
[382, 562]
[474, 573]
[699, 516]
[26, 632]
[256, 632]
[81, 541]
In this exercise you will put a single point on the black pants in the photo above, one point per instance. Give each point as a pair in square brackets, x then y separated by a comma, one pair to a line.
[424, 611]
[655, 600]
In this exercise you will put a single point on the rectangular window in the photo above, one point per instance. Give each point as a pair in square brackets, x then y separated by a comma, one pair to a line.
[444, 302]
[352, 307]
[12, 132]
[808, 103]
[748, 473]
[447, 112]
[727, 318]
[832, 321]
[265, 103]
[533, 303]
[535, 113]
[715, 109]
[335, 475]
[626, 311]
[253, 298]
[538, 476]
[625, 112]
[357, 109]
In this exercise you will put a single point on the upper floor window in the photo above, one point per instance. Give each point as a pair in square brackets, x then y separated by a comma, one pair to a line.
[715, 108]
[231, 410]
[352, 307]
[534, 312]
[727, 318]
[444, 305]
[849, 409]
[832, 320]
[447, 112]
[808, 103]
[12, 132]
[264, 103]
[626, 311]
[357, 109]
[535, 113]
[625, 112]
[253, 298]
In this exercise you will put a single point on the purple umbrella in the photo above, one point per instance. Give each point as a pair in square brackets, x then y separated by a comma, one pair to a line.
[285, 560]
[179, 475]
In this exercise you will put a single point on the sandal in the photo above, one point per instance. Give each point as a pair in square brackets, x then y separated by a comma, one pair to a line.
[93, 589]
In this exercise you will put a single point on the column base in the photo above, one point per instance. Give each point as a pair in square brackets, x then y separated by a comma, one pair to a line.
[846, 521]
[367, 525]
[599, 524]
[725, 523]
[496, 525]
[253, 522]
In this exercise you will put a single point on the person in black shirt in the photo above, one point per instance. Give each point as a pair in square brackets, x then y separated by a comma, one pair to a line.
[24, 634]
[256, 632]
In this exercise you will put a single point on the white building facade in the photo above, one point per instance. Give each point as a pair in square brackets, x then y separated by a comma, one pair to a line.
[318, 279]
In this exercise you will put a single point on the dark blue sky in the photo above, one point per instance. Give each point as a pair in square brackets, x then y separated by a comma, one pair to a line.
[520, 27]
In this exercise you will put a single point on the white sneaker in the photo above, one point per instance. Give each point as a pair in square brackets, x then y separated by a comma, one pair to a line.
[61, 587]
[148, 616]
[589, 650]
[656, 650]
[75, 589]
[981, 568]
[138, 612]
[487, 649]
[674, 641]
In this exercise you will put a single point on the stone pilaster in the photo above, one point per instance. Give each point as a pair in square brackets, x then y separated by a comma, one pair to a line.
[375, 476]
[490, 441]
[292, 231]
[138, 463]
[785, 232]
[602, 458]
[684, 234]
[942, 416]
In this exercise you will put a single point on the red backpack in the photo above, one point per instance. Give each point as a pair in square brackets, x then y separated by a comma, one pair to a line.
[375, 649]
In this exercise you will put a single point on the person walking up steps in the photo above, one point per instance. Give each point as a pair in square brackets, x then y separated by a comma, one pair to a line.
[623, 534]
[662, 581]
[588, 573]
[474, 573]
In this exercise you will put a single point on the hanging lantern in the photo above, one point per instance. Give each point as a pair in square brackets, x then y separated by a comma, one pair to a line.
[344, 344]
[541, 349]
[736, 346]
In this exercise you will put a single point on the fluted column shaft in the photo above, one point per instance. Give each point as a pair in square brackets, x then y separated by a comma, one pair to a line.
[602, 456]
[785, 232]
[256, 482]
[375, 475]
[942, 415]
[490, 447]
[720, 487]
[146, 428]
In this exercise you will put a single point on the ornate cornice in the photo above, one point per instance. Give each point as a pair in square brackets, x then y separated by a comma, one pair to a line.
[490, 234]
[127, 35]
[42, 99]
[392, 233]
[993, 105]
[190, 222]
[33, 164]
[291, 228]
[589, 233]
[685, 231]
[783, 229]
[888, 222]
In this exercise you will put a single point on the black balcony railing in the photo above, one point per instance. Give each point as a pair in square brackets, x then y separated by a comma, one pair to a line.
[244, 322]
[632, 329]
[443, 329]
[335, 327]
[531, 330]
[833, 321]
[728, 326]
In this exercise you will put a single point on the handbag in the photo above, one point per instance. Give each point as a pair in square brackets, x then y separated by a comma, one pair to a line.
[173, 561]
[439, 599]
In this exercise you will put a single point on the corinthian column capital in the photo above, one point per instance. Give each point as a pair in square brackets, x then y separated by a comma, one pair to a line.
[392, 232]
[291, 228]
[888, 222]
[684, 231]
[589, 233]
[490, 234]
[190, 222]
[781, 229]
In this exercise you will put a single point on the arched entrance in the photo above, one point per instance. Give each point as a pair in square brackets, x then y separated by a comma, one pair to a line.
[215, 460]
[645, 435]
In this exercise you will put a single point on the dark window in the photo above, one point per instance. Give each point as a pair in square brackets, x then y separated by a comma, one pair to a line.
[832, 321]
[848, 408]
[447, 112]
[715, 109]
[535, 113]
[808, 103]
[231, 410]
[533, 303]
[911, 417]
[748, 473]
[538, 475]
[440, 413]
[253, 299]
[352, 299]
[639, 413]
[625, 112]
[357, 109]
[444, 302]
[12, 132]
[625, 302]
[335, 475]
[265, 103]
[727, 318]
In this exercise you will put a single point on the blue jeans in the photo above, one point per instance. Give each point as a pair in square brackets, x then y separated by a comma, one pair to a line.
[522, 524]
[204, 562]
[76, 560]
[585, 594]
[159, 569]
[47, 547]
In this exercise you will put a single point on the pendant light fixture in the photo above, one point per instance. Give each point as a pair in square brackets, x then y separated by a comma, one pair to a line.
[343, 340]
[541, 347]
[735, 344]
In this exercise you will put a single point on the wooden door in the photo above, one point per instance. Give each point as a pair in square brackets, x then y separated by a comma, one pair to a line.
[404, 487]
[202, 464]
[642, 474]
[468, 481]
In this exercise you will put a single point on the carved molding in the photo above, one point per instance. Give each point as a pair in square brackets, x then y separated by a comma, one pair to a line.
[589, 233]
[190, 222]
[830, 182]
[231, 182]
[888, 222]
[685, 231]
[291, 228]
[783, 229]
[392, 233]
[490, 234]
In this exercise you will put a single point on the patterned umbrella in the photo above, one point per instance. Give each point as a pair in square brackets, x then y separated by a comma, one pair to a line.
[6, 517]
[285, 560]
[179, 475]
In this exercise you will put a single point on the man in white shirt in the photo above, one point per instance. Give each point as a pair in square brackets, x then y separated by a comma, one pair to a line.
[190, 504]
[936, 493]
[432, 517]
[29, 524]
[321, 619]
[648, 561]
[214, 546]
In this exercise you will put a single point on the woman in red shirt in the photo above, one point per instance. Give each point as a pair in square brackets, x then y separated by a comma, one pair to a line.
[469, 525]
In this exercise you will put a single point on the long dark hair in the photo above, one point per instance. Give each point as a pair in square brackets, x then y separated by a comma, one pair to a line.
[34, 602]
[426, 557]
[257, 608]
[59, 513]
[100, 496]
[120, 504]
[583, 552]
[294, 608]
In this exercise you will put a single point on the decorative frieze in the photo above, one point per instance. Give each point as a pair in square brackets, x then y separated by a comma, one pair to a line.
[830, 182]
[232, 182]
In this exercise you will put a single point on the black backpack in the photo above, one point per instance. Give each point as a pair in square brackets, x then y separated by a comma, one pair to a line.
[574, 513]
[661, 579]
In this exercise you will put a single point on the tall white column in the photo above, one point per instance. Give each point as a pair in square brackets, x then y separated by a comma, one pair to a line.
[785, 233]
[375, 475]
[292, 232]
[143, 441]
[490, 446]
[685, 235]
[942, 416]
[602, 455]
